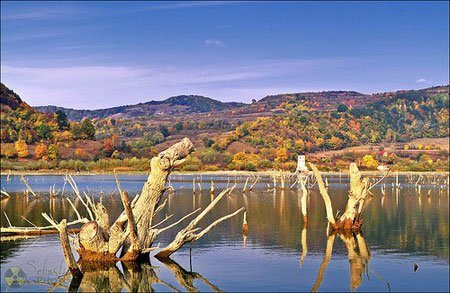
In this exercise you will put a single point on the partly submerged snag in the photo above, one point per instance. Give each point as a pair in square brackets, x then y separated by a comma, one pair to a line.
[133, 232]
[359, 188]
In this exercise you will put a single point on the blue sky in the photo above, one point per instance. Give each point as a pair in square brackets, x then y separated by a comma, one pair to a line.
[101, 54]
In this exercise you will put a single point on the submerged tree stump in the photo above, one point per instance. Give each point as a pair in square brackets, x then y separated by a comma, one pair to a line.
[359, 188]
[132, 234]
[132, 231]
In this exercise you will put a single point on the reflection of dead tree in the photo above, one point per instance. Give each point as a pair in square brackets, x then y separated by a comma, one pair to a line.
[358, 256]
[141, 277]
[325, 261]
[359, 188]
[304, 245]
[101, 278]
[60, 281]
[186, 279]
[107, 277]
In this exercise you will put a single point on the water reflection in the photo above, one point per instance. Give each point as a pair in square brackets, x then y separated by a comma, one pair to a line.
[407, 225]
[132, 277]
[358, 256]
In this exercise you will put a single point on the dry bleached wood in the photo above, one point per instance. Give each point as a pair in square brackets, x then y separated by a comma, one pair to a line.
[35, 230]
[302, 179]
[133, 232]
[359, 188]
[188, 234]
[24, 180]
[324, 193]
[68, 256]
[64, 238]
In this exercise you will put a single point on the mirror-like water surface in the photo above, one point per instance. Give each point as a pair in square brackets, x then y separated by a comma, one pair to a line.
[402, 230]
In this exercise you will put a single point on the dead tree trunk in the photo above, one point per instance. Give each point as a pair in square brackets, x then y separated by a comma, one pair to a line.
[304, 200]
[133, 231]
[100, 242]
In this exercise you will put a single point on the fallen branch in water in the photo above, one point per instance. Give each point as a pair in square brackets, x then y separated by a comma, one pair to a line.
[36, 230]
[188, 234]
[24, 180]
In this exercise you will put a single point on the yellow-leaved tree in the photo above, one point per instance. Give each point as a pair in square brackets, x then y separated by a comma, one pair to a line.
[369, 162]
[21, 148]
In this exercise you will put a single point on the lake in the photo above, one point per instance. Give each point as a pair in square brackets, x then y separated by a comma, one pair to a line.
[404, 245]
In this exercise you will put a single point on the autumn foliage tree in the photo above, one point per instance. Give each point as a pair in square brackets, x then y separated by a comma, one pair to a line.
[8, 151]
[80, 153]
[41, 151]
[88, 129]
[21, 148]
[53, 152]
[369, 162]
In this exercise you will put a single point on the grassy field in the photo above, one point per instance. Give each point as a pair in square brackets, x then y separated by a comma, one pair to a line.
[442, 143]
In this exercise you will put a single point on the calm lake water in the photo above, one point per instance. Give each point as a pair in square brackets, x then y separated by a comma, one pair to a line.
[401, 230]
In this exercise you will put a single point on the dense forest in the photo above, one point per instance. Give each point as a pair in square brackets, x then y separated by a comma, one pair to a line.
[263, 135]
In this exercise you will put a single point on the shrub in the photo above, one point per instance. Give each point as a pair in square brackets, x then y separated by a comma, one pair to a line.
[8, 151]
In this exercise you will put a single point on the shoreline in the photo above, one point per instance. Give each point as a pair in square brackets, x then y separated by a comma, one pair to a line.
[217, 173]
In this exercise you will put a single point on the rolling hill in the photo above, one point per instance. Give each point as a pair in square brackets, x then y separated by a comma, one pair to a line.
[9, 100]
[264, 134]
[184, 104]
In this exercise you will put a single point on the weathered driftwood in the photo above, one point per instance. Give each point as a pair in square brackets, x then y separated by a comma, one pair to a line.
[30, 231]
[64, 238]
[24, 180]
[212, 190]
[68, 256]
[3, 192]
[133, 232]
[188, 234]
[244, 190]
[41, 230]
[254, 183]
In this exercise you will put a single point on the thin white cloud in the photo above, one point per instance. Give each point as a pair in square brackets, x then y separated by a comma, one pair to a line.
[181, 5]
[41, 11]
[91, 87]
[213, 43]
[421, 80]
[17, 37]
